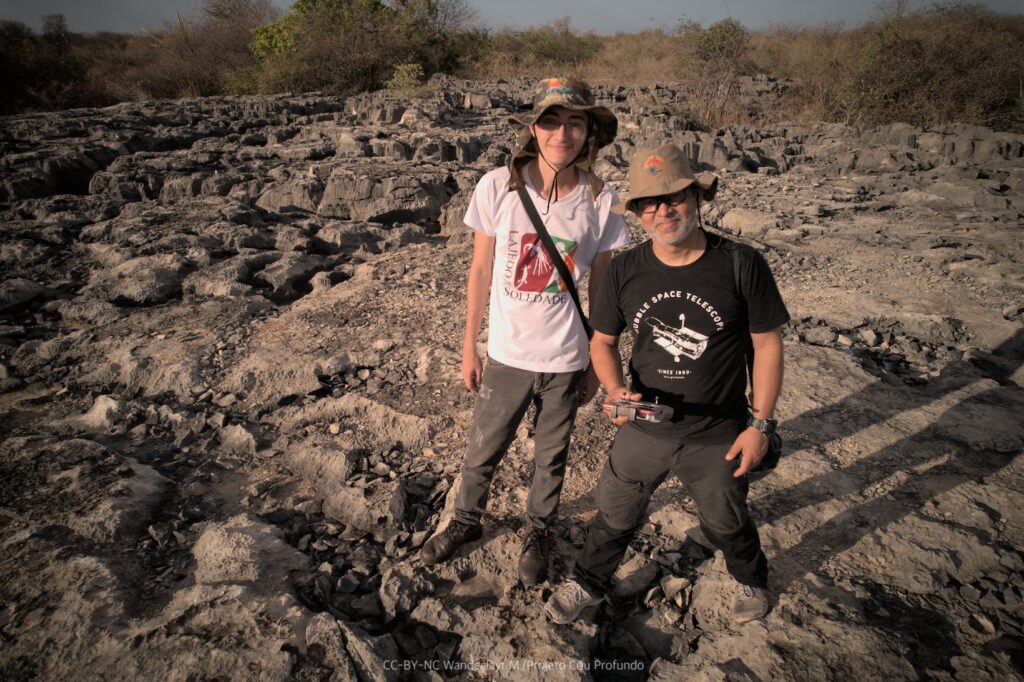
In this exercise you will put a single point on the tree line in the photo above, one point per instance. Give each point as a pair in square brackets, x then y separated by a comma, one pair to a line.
[950, 62]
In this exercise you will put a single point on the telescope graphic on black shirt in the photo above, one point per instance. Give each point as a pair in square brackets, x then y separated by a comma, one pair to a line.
[678, 342]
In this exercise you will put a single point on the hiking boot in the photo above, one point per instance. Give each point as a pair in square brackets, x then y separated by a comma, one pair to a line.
[751, 604]
[568, 602]
[533, 559]
[443, 544]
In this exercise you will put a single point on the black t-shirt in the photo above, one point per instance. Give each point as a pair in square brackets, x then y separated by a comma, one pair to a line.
[691, 332]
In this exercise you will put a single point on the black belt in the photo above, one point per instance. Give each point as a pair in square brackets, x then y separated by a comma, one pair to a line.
[683, 408]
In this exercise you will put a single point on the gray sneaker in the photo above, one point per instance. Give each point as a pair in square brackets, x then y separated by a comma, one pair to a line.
[751, 604]
[566, 604]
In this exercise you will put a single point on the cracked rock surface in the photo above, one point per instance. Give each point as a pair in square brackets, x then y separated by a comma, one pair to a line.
[231, 412]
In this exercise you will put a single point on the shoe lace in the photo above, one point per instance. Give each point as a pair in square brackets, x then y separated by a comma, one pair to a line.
[575, 593]
[534, 540]
[456, 530]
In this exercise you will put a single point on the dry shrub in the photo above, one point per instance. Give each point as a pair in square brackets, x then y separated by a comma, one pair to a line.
[533, 52]
[949, 63]
[714, 58]
[196, 57]
[38, 72]
[635, 59]
[815, 57]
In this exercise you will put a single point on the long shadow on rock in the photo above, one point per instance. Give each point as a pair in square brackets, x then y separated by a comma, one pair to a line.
[930, 638]
[935, 462]
[907, 454]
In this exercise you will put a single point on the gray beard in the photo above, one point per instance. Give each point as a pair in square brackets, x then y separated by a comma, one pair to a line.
[683, 235]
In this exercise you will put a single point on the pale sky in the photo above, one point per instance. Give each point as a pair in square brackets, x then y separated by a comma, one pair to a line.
[602, 16]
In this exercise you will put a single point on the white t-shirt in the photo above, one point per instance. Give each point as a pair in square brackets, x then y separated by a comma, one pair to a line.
[533, 321]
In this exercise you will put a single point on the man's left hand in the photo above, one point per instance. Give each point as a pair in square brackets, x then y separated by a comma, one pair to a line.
[588, 385]
[751, 446]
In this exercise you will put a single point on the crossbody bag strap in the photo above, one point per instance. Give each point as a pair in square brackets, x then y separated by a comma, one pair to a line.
[553, 254]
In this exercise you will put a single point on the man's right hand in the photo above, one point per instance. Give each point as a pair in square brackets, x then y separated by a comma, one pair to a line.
[472, 368]
[615, 394]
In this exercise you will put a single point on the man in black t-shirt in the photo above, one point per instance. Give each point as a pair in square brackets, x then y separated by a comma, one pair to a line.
[695, 304]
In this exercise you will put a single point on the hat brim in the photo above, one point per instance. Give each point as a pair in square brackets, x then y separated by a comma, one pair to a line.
[708, 183]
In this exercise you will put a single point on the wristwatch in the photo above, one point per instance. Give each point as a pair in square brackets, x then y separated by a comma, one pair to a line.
[765, 426]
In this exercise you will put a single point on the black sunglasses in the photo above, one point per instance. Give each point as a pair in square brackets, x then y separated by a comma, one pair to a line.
[650, 204]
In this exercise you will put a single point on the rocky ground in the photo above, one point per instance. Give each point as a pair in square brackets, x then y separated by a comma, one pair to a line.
[231, 411]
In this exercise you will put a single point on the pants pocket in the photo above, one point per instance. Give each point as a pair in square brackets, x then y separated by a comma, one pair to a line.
[622, 500]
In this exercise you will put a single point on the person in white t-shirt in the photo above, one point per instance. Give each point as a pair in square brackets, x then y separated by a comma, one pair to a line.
[537, 343]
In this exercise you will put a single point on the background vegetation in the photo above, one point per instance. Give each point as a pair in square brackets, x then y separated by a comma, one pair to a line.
[931, 66]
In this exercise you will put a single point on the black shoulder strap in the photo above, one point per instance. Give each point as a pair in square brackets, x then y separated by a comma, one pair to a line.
[553, 254]
[748, 344]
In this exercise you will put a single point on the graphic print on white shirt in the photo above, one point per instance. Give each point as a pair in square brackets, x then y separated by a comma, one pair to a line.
[535, 271]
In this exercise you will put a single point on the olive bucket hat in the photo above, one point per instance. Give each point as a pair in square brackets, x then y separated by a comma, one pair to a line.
[661, 171]
[571, 93]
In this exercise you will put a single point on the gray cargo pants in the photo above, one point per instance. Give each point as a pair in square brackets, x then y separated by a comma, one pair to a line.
[638, 463]
[505, 394]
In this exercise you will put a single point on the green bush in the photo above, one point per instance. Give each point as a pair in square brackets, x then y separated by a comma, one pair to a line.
[345, 46]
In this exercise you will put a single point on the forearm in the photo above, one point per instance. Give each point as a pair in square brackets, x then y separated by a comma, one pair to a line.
[476, 304]
[478, 288]
[607, 361]
[767, 375]
[597, 270]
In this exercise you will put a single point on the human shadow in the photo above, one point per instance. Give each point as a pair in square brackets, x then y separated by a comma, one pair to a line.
[907, 454]
[904, 475]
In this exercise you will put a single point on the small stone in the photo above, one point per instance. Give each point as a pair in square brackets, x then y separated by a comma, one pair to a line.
[820, 336]
[870, 337]
[672, 585]
[227, 400]
[844, 340]
[366, 606]
[347, 583]
[982, 623]
[334, 429]
[652, 594]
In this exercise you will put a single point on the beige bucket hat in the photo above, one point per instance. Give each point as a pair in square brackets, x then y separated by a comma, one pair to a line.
[665, 170]
[571, 93]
